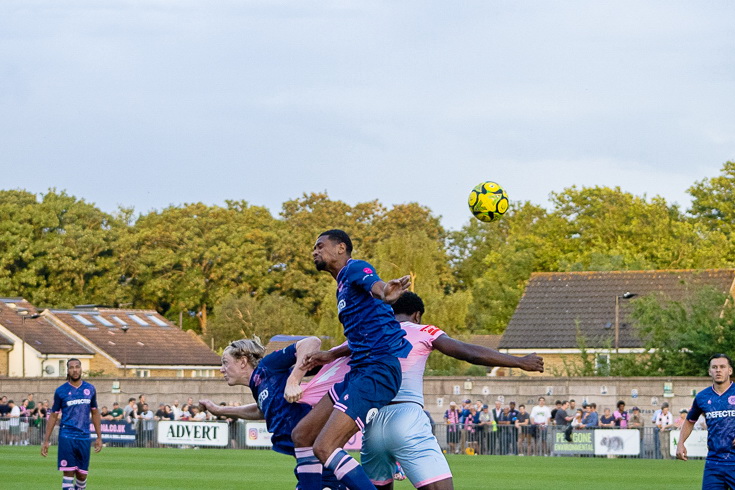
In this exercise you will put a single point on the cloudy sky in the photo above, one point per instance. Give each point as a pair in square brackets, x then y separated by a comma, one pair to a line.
[150, 103]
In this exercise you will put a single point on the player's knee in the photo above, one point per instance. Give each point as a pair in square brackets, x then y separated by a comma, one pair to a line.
[322, 451]
[299, 436]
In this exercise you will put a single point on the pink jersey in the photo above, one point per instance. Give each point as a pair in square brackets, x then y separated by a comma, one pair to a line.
[422, 339]
[328, 375]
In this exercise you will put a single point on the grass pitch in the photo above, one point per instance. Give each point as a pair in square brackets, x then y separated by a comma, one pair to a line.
[182, 469]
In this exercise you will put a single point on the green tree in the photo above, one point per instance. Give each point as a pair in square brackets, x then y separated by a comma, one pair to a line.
[189, 258]
[58, 251]
[681, 335]
[242, 317]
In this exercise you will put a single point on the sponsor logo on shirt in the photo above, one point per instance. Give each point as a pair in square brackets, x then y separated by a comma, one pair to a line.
[341, 305]
[86, 392]
[80, 401]
[718, 414]
[731, 400]
[261, 398]
[368, 271]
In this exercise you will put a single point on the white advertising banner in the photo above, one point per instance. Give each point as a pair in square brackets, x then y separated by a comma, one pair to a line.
[623, 442]
[258, 435]
[696, 444]
[193, 433]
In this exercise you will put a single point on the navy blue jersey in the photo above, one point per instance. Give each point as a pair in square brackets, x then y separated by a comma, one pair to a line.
[75, 405]
[268, 383]
[369, 324]
[719, 411]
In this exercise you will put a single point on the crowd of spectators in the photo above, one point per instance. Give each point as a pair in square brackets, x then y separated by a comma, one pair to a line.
[24, 423]
[476, 428]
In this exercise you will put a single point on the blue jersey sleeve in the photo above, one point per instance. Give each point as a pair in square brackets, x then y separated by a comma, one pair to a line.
[93, 400]
[280, 360]
[362, 275]
[694, 412]
[57, 403]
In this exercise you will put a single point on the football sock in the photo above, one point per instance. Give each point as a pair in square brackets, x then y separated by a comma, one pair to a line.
[308, 469]
[81, 484]
[348, 471]
[67, 482]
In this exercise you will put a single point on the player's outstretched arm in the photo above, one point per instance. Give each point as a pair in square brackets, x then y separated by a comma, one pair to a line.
[49, 430]
[304, 347]
[247, 412]
[390, 291]
[97, 421]
[484, 356]
[686, 430]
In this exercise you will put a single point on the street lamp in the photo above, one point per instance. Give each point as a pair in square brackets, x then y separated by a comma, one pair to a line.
[125, 329]
[24, 313]
[626, 295]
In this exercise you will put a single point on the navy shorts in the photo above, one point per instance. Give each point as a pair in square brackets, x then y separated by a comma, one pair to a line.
[718, 476]
[74, 454]
[369, 385]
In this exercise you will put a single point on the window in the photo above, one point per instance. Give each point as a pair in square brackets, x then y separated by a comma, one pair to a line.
[119, 320]
[157, 321]
[179, 373]
[104, 321]
[143, 373]
[138, 320]
[83, 320]
[202, 373]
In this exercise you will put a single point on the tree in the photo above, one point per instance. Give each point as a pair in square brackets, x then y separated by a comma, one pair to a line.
[245, 316]
[60, 251]
[189, 258]
[680, 336]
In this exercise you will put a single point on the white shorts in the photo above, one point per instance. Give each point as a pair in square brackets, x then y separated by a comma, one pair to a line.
[402, 432]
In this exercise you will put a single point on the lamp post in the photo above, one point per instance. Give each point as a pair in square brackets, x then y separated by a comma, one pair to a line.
[125, 329]
[626, 295]
[24, 313]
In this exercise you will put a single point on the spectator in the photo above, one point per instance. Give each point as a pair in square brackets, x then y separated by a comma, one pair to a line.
[14, 428]
[141, 402]
[116, 412]
[487, 425]
[4, 422]
[451, 418]
[562, 420]
[131, 412]
[557, 406]
[621, 416]
[664, 423]
[572, 406]
[168, 413]
[607, 421]
[31, 402]
[25, 416]
[540, 418]
[525, 434]
[478, 405]
[507, 430]
[577, 419]
[197, 415]
[471, 422]
[185, 412]
[637, 422]
[176, 410]
[591, 419]
[147, 425]
[161, 412]
[682, 418]
[105, 414]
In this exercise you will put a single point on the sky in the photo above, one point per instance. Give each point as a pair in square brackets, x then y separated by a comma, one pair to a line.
[147, 104]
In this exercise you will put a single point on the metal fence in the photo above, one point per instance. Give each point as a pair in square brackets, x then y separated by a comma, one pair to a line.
[453, 438]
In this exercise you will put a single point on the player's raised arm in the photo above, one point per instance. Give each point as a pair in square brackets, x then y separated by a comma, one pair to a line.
[304, 347]
[247, 412]
[484, 356]
[322, 357]
[390, 291]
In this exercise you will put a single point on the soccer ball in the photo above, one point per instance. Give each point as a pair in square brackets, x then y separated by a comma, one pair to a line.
[488, 201]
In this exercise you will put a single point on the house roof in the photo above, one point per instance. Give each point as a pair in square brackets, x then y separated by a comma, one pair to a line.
[36, 332]
[151, 339]
[553, 304]
[5, 342]
[490, 341]
[278, 342]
